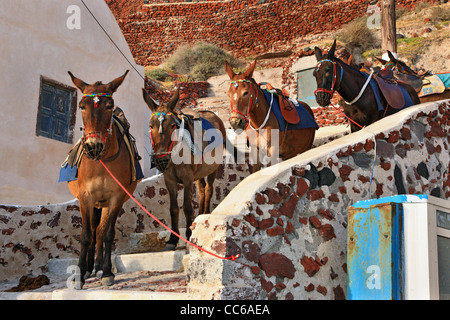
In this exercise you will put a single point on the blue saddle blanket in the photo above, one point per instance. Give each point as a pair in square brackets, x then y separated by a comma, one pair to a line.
[68, 173]
[306, 119]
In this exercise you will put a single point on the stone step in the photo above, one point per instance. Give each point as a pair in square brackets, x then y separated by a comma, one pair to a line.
[126, 263]
[139, 276]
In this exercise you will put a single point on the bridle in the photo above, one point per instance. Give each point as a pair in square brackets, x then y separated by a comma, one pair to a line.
[333, 89]
[97, 134]
[161, 117]
[241, 115]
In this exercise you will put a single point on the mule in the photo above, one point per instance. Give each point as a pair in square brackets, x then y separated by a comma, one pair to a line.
[404, 73]
[99, 196]
[164, 122]
[252, 113]
[334, 75]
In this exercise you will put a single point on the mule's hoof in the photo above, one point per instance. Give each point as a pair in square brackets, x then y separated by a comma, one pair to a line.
[108, 281]
[87, 275]
[170, 247]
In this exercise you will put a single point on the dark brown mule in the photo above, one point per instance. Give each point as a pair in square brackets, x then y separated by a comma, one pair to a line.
[332, 74]
[401, 69]
[250, 111]
[180, 166]
[100, 197]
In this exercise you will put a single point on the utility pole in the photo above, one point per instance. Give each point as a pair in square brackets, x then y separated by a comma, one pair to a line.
[388, 26]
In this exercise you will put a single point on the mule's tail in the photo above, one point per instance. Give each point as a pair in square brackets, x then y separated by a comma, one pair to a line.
[238, 156]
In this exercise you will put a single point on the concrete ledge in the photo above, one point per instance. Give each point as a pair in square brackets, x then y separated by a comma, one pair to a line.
[68, 294]
[153, 261]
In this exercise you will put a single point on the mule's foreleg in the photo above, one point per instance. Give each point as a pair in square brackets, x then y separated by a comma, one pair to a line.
[209, 191]
[95, 249]
[187, 206]
[201, 194]
[174, 214]
[105, 234]
[86, 240]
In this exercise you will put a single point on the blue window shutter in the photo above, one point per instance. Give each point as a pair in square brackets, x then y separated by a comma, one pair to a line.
[55, 112]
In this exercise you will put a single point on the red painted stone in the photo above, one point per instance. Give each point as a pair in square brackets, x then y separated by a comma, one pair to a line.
[275, 264]
[275, 231]
[288, 206]
[310, 265]
[302, 187]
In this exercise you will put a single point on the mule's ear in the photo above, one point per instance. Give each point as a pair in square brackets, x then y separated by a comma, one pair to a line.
[382, 60]
[229, 70]
[149, 101]
[330, 54]
[113, 85]
[249, 73]
[318, 53]
[80, 84]
[391, 56]
[174, 100]
[350, 60]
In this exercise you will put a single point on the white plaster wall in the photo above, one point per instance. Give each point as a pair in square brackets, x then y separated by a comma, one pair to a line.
[36, 42]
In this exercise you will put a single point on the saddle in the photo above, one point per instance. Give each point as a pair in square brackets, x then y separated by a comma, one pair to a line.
[73, 159]
[391, 92]
[287, 106]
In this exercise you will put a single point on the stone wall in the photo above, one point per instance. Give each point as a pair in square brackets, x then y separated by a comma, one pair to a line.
[243, 27]
[30, 236]
[289, 223]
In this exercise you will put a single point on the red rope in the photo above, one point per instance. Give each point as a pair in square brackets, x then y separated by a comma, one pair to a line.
[346, 116]
[162, 224]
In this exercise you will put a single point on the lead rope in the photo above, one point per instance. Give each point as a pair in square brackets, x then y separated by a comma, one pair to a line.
[232, 257]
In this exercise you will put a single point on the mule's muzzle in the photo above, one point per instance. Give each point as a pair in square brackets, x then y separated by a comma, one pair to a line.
[94, 149]
[238, 123]
[323, 98]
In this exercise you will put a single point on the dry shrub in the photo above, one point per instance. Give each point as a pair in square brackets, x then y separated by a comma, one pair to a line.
[356, 34]
[201, 61]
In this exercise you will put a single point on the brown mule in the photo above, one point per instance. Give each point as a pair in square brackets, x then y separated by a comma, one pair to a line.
[100, 197]
[251, 112]
[183, 167]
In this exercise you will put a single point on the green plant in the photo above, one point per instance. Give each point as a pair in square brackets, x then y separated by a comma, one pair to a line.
[157, 74]
[201, 61]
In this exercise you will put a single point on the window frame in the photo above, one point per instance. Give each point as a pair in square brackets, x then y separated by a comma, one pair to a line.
[73, 101]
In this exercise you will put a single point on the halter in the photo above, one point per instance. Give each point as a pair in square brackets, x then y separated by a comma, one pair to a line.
[246, 117]
[161, 118]
[96, 134]
[331, 91]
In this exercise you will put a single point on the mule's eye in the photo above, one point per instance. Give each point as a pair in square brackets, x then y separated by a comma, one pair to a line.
[82, 107]
[151, 127]
[109, 106]
[173, 126]
[245, 93]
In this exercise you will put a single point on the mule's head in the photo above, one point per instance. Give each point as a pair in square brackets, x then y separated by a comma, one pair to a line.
[96, 107]
[325, 74]
[399, 65]
[242, 96]
[162, 128]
